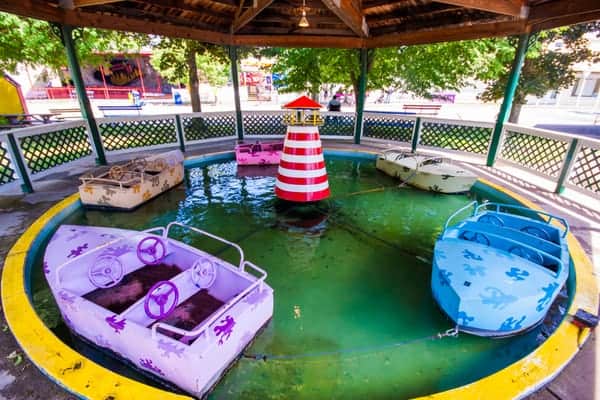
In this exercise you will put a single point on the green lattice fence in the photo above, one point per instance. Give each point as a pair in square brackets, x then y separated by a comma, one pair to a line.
[337, 124]
[457, 135]
[137, 132]
[388, 127]
[7, 173]
[261, 123]
[49, 149]
[208, 126]
[586, 171]
[542, 154]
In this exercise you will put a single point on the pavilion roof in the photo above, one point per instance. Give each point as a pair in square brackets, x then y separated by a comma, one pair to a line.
[333, 23]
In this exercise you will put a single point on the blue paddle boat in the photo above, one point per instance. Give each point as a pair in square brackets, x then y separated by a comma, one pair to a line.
[497, 272]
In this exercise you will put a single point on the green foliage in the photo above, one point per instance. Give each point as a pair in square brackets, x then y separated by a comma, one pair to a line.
[414, 69]
[545, 67]
[32, 42]
[170, 58]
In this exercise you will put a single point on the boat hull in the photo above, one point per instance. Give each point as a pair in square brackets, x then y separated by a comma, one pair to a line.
[258, 153]
[192, 364]
[458, 182]
[105, 195]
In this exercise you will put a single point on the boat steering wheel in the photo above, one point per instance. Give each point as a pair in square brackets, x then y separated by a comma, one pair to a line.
[528, 254]
[165, 296]
[204, 273]
[476, 237]
[106, 272]
[535, 231]
[151, 250]
[491, 219]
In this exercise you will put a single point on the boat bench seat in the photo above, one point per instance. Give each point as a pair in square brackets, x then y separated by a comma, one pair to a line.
[520, 249]
[534, 228]
[517, 235]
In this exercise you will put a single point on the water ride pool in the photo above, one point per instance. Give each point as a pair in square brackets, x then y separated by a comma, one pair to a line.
[354, 314]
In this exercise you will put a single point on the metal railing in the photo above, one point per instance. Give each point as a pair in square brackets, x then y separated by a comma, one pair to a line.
[567, 160]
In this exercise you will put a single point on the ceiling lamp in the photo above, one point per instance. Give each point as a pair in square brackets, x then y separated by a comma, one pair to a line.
[303, 23]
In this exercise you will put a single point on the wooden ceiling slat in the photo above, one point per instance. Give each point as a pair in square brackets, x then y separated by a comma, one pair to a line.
[87, 3]
[513, 8]
[393, 23]
[249, 14]
[352, 16]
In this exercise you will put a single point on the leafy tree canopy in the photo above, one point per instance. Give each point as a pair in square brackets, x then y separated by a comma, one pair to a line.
[32, 42]
[546, 67]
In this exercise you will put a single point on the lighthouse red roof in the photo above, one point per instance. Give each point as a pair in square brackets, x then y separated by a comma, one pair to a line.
[303, 102]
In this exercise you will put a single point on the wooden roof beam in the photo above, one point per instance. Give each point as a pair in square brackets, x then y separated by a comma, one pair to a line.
[87, 3]
[350, 14]
[514, 8]
[248, 15]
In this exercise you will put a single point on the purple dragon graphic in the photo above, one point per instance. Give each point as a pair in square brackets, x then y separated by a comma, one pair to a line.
[78, 251]
[75, 234]
[148, 364]
[118, 326]
[46, 267]
[225, 330]
[169, 348]
[118, 251]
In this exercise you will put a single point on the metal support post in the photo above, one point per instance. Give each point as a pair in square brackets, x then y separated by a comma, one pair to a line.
[567, 166]
[509, 94]
[66, 34]
[416, 137]
[360, 96]
[236, 92]
[26, 186]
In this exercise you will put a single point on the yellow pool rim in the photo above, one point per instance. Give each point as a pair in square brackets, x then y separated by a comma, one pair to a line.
[87, 379]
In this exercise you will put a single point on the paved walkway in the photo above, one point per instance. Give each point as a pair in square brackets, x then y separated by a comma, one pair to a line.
[19, 379]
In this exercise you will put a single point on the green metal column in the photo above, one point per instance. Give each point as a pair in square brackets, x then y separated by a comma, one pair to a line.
[567, 166]
[236, 92]
[416, 137]
[509, 94]
[26, 186]
[86, 110]
[180, 133]
[360, 96]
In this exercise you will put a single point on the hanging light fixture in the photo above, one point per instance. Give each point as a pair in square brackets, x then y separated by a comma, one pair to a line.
[303, 23]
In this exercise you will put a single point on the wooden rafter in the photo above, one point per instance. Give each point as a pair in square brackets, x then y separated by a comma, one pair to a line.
[249, 14]
[562, 8]
[350, 14]
[513, 8]
[87, 3]
[449, 34]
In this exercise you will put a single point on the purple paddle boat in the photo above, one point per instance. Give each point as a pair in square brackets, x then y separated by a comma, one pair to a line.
[258, 153]
[171, 309]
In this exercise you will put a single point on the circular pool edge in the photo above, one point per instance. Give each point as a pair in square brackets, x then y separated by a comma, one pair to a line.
[87, 379]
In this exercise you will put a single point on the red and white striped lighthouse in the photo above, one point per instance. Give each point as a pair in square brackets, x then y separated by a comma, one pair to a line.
[302, 176]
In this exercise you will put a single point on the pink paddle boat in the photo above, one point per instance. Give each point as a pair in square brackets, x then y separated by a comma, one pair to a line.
[172, 310]
[258, 153]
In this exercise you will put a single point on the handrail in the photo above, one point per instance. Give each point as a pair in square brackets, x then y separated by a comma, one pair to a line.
[551, 217]
[225, 308]
[210, 235]
[471, 204]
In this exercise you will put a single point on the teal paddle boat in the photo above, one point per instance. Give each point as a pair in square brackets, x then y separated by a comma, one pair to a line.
[497, 272]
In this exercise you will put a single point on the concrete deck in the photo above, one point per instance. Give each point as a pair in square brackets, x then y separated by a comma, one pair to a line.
[19, 379]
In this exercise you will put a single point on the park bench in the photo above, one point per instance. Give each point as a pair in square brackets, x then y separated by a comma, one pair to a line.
[431, 109]
[131, 109]
[66, 113]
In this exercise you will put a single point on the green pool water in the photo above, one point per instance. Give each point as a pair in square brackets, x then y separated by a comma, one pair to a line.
[354, 316]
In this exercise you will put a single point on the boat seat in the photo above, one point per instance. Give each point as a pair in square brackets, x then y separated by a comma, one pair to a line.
[540, 229]
[518, 235]
[520, 249]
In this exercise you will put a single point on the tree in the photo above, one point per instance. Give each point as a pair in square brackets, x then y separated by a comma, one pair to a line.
[414, 69]
[32, 42]
[184, 60]
[546, 67]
